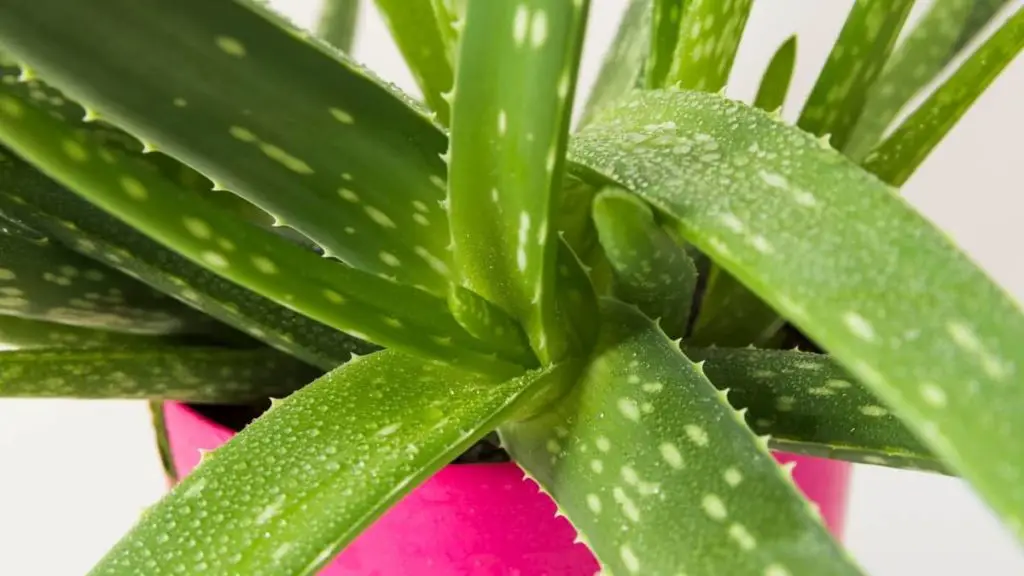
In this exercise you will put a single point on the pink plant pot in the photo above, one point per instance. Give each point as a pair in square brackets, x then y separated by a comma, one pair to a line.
[478, 519]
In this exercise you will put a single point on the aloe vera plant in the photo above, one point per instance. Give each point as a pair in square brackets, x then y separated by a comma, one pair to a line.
[211, 205]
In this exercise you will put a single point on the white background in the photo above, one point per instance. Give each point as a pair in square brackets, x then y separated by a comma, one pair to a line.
[74, 475]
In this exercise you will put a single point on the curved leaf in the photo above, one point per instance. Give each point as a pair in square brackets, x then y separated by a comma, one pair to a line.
[771, 94]
[856, 60]
[660, 475]
[515, 85]
[809, 404]
[45, 281]
[363, 304]
[22, 334]
[337, 23]
[896, 158]
[842, 256]
[163, 444]
[665, 18]
[262, 109]
[299, 483]
[624, 60]
[183, 374]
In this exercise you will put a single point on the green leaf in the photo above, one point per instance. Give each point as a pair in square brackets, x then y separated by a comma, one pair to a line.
[45, 281]
[163, 443]
[22, 334]
[418, 33]
[263, 110]
[856, 60]
[367, 306]
[896, 158]
[847, 261]
[771, 94]
[623, 62]
[981, 14]
[657, 472]
[650, 269]
[709, 36]
[515, 83]
[664, 36]
[337, 23]
[171, 373]
[448, 14]
[732, 315]
[809, 404]
[927, 49]
[299, 483]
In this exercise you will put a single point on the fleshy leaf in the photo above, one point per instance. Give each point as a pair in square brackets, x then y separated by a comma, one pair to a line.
[771, 94]
[163, 444]
[856, 60]
[337, 23]
[665, 17]
[927, 331]
[644, 447]
[927, 49]
[896, 158]
[515, 84]
[22, 334]
[623, 62]
[172, 373]
[45, 281]
[360, 303]
[732, 315]
[809, 404]
[709, 36]
[650, 269]
[299, 483]
[415, 28]
[223, 86]
[488, 322]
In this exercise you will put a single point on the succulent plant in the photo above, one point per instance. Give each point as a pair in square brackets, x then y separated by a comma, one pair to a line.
[203, 202]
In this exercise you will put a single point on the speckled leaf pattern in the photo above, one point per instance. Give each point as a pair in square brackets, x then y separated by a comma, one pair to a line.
[488, 322]
[182, 374]
[331, 458]
[22, 334]
[847, 261]
[896, 158]
[709, 35]
[650, 269]
[771, 94]
[76, 224]
[415, 28]
[623, 62]
[809, 403]
[917, 60]
[660, 475]
[45, 281]
[514, 93]
[336, 24]
[856, 60]
[225, 87]
[665, 18]
[362, 304]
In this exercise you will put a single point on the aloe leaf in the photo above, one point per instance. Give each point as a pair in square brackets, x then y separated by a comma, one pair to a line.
[318, 468]
[644, 447]
[337, 23]
[771, 94]
[732, 315]
[222, 87]
[896, 158]
[927, 331]
[927, 49]
[448, 14]
[367, 306]
[979, 17]
[44, 281]
[22, 334]
[665, 19]
[650, 269]
[488, 322]
[416, 30]
[163, 444]
[709, 36]
[623, 62]
[856, 60]
[172, 373]
[509, 131]
[809, 404]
